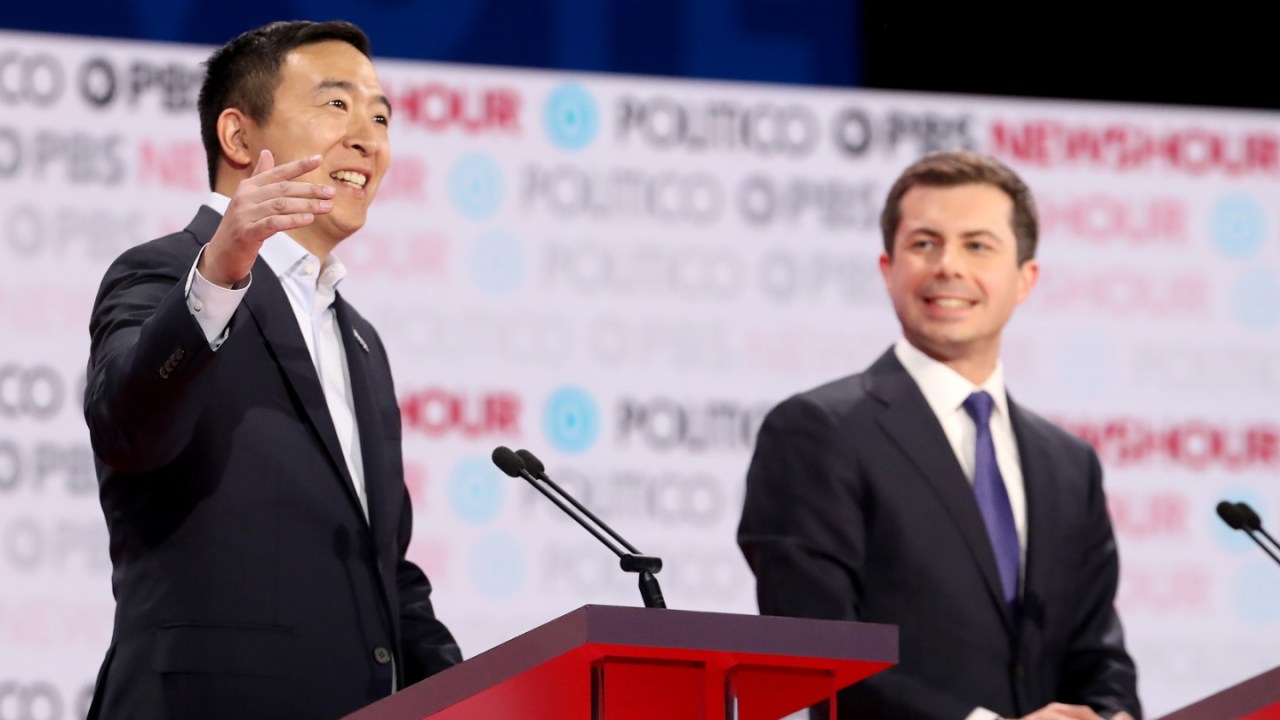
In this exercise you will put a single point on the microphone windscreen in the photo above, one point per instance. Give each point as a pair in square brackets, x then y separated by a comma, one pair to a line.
[531, 461]
[507, 461]
[1248, 517]
[1230, 515]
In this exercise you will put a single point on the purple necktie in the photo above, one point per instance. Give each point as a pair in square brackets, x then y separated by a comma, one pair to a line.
[993, 501]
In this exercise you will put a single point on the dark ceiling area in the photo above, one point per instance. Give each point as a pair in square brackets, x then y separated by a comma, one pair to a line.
[1198, 54]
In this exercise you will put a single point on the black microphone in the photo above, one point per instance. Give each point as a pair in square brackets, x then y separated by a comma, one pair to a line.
[1253, 522]
[630, 559]
[1243, 519]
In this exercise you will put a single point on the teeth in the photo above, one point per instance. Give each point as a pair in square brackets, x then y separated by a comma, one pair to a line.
[951, 302]
[348, 176]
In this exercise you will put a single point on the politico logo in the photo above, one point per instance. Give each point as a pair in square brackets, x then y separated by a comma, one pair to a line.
[672, 197]
[664, 424]
[30, 391]
[729, 126]
[438, 412]
[35, 79]
[667, 497]
[438, 107]
[1126, 147]
[571, 117]
[1193, 445]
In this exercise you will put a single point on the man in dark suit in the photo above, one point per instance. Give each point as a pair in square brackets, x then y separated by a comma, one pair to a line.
[244, 419]
[917, 493]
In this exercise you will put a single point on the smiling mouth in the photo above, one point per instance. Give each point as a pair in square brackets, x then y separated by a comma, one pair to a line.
[350, 177]
[951, 303]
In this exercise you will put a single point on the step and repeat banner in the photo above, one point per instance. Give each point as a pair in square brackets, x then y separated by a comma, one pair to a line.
[623, 274]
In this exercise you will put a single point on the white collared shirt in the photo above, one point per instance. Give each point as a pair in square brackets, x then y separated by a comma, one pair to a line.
[311, 286]
[946, 390]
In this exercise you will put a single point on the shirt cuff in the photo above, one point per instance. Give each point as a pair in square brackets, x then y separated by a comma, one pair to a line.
[981, 713]
[213, 305]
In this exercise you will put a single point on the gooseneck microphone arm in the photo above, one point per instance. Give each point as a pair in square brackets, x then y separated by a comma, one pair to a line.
[535, 466]
[630, 559]
[1243, 519]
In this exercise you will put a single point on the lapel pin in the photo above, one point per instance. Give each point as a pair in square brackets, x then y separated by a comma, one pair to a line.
[363, 345]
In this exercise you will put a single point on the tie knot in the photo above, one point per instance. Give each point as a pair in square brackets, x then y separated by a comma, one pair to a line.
[979, 405]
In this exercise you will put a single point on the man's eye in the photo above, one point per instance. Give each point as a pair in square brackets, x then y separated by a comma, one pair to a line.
[338, 103]
[381, 119]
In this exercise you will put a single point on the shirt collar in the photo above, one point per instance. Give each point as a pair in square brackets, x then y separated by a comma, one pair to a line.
[945, 389]
[285, 256]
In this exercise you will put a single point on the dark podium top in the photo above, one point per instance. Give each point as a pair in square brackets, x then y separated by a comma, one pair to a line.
[626, 662]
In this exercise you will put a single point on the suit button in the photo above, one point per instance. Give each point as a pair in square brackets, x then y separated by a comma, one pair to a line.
[164, 372]
[381, 655]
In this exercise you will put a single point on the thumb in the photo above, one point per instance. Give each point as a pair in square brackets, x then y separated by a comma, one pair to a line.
[265, 162]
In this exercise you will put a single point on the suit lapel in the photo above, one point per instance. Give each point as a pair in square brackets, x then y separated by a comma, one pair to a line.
[368, 422]
[910, 422]
[274, 316]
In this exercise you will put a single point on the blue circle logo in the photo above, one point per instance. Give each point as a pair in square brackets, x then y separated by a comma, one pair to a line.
[497, 262]
[572, 419]
[1256, 299]
[475, 184]
[476, 490]
[571, 117]
[1235, 540]
[497, 566]
[1238, 226]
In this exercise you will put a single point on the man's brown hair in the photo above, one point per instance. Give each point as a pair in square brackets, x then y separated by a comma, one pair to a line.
[963, 167]
[245, 73]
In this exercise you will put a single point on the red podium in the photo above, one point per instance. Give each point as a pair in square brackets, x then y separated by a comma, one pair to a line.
[1257, 698]
[623, 663]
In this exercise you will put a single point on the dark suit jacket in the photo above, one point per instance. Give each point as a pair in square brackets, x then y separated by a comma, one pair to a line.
[857, 509]
[248, 583]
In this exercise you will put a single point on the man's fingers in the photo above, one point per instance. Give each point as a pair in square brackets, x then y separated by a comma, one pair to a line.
[288, 171]
[273, 224]
[282, 205]
[266, 161]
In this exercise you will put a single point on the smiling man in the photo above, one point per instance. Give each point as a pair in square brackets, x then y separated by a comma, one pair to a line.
[244, 421]
[917, 492]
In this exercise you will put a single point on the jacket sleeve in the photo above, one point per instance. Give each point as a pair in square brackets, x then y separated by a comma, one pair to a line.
[149, 360]
[1098, 672]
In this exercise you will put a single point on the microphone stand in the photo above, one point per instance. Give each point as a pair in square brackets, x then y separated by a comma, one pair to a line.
[629, 558]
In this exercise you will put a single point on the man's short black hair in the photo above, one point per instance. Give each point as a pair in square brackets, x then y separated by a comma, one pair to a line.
[245, 73]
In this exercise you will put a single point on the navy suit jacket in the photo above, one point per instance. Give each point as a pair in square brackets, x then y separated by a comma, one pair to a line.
[857, 509]
[248, 582]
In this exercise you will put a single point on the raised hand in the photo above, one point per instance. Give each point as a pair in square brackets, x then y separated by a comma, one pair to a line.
[268, 202]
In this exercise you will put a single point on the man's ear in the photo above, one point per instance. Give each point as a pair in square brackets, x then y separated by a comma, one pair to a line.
[232, 129]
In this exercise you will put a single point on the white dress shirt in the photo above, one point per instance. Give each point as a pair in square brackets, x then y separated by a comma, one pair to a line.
[946, 390]
[311, 286]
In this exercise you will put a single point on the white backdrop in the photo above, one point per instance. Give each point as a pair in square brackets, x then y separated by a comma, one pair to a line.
[622, 274]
